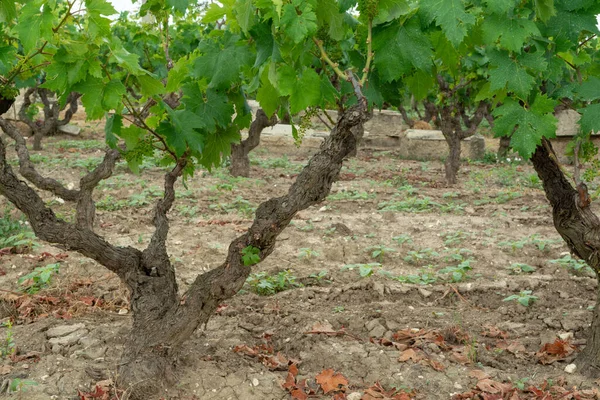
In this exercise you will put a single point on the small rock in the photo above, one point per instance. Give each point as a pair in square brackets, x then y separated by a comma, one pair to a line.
[354, 396]
[569, 369]
[254, 382]
[323, 209]
[379, 288]
[566, 335]
[70, 339]
[457, 386]
[388, 335]
[123, 311]
[425, 293]
[70, 129]
[434, 348]
[372, 324]
[469, 210]
[377, 332]
[563, 295]
[63, 330]
[56, 349]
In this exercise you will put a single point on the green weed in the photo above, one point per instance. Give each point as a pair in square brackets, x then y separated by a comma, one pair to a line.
[39, 278]
[525, 298]
[264, 284]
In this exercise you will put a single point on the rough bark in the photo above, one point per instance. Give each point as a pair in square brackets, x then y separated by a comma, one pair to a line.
[580, 229]
[162, 320]
[240, 162]
[51, 122]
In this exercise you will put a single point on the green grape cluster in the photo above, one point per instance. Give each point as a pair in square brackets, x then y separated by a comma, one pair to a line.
[8, 92]
[368, 8]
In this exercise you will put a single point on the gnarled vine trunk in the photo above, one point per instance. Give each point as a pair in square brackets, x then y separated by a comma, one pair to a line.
[51, 122]
[162, 319]
[240, 162]
[580, 229]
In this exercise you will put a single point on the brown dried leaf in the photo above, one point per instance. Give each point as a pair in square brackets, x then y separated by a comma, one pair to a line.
[552, 352]
[410, 354]
[493, 332]
[298, 394]
[5, 369]
[478, 374]
[438, 366]
[324, 328]
[331, 381]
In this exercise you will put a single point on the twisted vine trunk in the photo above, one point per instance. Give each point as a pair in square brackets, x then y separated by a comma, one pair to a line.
[162, 319]
[51, 122]
[240, 162]
[580, 229]
[452, 163]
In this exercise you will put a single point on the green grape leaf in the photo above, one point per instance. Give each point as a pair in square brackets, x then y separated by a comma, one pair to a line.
[221, 66]
[544, 9]
[97, 23]
[131, 135]
[391, 9]
[511, 33]
[213, 13]
[304, 91]
[113, 94]
[328, 13]
[92, 95]
[179, 5]
[150, 86]
[8, 10]
[7, 58]
[500, 6]
[451, 16]
[298, 20]
[113, 126]
[590, 118]
[245, 12]
[129, 61]
[589, 90]
[570, 24]
[507, 73]
[399, 49]
[268, 97]
[177, 74]
[529, 126]
[218, 145]
[30, 25]
[420, 83]
[183, 131]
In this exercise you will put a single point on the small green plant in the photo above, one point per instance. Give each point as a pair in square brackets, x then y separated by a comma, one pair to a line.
[402, 239]
[520, 383]
[458, 273]
[351, 195]
[454, 237]
[15, 233]
[520, 268]
[187, 211]
[533, 240]
[525, 298]
[573, 265]
[18, 385]
[39, 278]
[338, 309]
[423, 277]
[320, 277]
[364, 270]
[420, 256]
[250, 255]
[239, 205]
[264, 284]
[7, 346]
[306, 253]
[378, 252]
[454, 255]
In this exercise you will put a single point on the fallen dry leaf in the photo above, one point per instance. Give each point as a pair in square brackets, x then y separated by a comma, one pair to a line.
[5, 369]
[331, 381]
[552, 352]
[478, 374]
[323, 328]
[410, 354]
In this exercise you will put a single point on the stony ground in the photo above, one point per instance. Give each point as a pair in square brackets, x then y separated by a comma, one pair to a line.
[394, 287]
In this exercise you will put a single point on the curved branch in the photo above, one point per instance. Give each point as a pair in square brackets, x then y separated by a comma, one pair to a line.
[311, 186]
[86, 210]
[45, 224]
[27, 169]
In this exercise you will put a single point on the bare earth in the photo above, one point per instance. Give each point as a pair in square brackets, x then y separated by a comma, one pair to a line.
[334, 322]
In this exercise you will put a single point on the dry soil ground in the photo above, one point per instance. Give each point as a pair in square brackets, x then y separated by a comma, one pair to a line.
[414, 318]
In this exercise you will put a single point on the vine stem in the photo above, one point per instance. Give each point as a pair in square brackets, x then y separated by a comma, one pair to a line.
[369, 54]
[325, 57]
